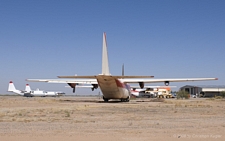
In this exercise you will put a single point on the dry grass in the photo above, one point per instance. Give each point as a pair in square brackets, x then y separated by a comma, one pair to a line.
[147, 118]
[46, 101]
[187, 103]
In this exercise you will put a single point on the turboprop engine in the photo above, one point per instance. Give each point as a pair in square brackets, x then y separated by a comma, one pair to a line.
[95, 86]
[167, 83]
[73, 86]
[142, 85]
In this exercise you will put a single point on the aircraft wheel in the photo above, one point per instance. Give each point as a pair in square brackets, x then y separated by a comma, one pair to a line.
[105, 99]
[128, 99]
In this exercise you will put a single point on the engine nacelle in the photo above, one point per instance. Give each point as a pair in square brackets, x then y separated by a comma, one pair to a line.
[95, 86]
[142, 85]
[167, 83]
[73, 86]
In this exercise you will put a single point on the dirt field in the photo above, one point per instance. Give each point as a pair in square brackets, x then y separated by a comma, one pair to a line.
[89, 118]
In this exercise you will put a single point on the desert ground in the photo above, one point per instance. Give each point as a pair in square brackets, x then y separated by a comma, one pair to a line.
[89, 118]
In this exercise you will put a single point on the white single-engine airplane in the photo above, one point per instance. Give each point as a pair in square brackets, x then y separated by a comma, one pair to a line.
[32, 93]
[112, 87]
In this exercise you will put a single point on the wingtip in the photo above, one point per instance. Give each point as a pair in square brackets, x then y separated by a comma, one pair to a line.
[10, 82]
[216, 78]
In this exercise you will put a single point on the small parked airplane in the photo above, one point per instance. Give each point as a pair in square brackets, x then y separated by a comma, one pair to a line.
[112, 87]
[32, 93]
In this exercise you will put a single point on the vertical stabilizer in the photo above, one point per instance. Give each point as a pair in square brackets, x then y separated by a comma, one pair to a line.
[27, 88]
[105, 63]
[11, 87]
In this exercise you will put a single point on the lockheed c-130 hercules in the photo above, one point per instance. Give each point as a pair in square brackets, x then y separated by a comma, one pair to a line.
[112, 87]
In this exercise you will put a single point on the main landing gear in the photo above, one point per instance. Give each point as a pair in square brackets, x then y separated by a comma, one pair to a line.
[105, 99]
[122, 100]
[126, 99]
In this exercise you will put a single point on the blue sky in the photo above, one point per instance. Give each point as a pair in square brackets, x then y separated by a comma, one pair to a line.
[167, 39]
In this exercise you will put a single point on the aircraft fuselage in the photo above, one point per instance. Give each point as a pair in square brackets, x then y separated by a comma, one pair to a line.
[113, 88]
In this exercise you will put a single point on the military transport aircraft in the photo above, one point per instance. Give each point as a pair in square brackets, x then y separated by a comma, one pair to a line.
[112, 87]
[32, 93]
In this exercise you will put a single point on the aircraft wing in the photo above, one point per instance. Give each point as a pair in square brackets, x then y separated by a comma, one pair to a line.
[114, 76]
[165, 80]
[137, 87]
[77, 81]
[94, 81]
[126, 80]
[82, 86]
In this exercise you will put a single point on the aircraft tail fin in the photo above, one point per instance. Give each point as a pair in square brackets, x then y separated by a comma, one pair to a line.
[27, 88]
[105, 63]
[11, 87]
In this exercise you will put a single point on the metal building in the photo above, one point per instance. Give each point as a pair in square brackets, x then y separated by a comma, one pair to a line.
[204, 90]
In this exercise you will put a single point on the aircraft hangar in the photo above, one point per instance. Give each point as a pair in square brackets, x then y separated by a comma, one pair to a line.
[204, 90]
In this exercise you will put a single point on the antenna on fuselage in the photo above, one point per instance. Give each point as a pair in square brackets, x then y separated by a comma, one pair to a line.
[123, 70]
